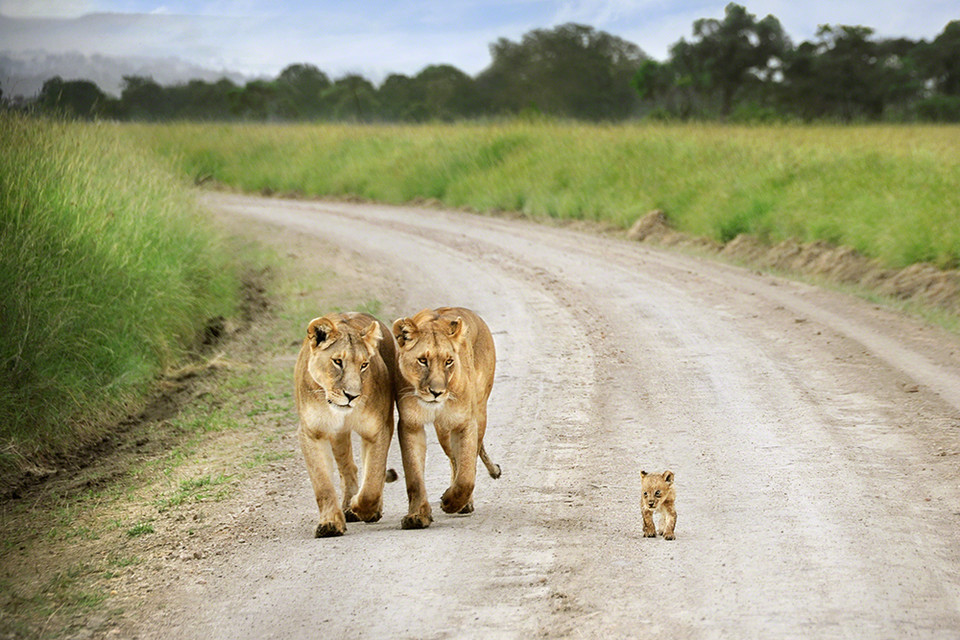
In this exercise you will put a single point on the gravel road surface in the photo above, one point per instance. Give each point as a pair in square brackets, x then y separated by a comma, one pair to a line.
[815, 440]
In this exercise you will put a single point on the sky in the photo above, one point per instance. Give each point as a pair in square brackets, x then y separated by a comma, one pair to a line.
[379, 37]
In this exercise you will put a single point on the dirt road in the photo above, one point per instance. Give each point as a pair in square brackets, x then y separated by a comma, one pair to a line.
[814, 438]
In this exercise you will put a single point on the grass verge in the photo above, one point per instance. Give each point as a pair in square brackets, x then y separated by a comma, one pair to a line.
[109, 277]
[890, 192]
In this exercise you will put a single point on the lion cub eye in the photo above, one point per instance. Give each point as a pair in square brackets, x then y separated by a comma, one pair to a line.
[338, 362]
[657, 494]
[364, 366]
[422, 361]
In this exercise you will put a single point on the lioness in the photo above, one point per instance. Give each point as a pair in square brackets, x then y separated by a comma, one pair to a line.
[658, 495]
[447, 360]
[345, 381]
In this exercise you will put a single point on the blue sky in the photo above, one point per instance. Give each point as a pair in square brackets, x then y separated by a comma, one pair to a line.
[260, 37]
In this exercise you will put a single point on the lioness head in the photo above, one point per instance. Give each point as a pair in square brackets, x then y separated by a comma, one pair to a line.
[339, 358]
[657, 487]
[430, 354]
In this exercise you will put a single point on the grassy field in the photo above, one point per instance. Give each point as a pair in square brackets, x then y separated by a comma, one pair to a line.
[108, 277]
[891, 192]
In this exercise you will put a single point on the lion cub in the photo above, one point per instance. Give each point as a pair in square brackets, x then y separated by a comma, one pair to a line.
[658, 495]
[345, 381]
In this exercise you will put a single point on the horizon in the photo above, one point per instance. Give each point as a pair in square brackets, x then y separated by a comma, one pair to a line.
[258, 39]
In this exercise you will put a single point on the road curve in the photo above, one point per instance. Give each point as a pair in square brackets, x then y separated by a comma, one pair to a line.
[814, 438]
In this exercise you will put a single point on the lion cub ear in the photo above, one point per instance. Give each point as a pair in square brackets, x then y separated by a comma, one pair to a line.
[321, 332]
[372, 336]
[668, 477]
[643, 474]
[404, 331]
[456, 328]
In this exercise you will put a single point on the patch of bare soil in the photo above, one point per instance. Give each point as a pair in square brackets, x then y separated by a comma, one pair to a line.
[920, 283]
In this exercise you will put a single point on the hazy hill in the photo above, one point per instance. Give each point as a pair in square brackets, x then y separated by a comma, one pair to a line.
[23, 73]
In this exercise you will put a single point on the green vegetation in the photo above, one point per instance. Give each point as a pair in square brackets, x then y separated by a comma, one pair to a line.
[109, 276]
[891, 192]
[736, 68]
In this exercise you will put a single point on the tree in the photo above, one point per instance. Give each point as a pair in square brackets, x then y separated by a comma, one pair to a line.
[848, 75]
[142, 98]
[940, 60]
[301, 86]
[732, 57]
[351, 97]
[572, 70]
[73, 98]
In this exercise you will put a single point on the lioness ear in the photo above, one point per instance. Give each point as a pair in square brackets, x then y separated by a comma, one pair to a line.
[456, 328]
[372, 336]
[321, 332]
[404, 331]
[668, 477]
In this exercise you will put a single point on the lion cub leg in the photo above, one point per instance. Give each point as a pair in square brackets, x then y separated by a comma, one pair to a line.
[668, 519]
[649, 529]
[368, 504]
[413, 451]
[318, 454]
[463, 461]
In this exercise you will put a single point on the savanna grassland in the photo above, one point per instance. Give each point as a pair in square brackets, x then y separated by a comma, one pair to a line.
[109, 275]
[110, 270]
[891, 192]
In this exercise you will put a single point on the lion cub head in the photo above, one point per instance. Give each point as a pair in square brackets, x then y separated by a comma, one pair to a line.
[340, 355]
[430, 346]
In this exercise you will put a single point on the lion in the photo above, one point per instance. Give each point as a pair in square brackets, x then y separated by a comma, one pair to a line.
[658, 495]
[446, 366]
[345, 381]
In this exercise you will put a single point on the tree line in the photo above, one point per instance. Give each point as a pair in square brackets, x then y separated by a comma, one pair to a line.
[735, 68]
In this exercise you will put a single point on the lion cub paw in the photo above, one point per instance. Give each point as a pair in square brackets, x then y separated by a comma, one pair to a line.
[649, 534]
[415, 521]
[668, 535]
[329, 530]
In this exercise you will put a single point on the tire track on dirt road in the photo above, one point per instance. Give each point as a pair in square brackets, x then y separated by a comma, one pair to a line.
[817, 493]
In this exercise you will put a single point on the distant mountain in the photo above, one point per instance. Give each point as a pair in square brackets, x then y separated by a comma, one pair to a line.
[23, 73]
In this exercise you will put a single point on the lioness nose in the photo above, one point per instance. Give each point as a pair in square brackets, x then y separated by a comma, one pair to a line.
[350, 397]
[436, 394]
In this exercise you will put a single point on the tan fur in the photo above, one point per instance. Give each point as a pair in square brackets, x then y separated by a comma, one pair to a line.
[659, 496]
[345, 381]
[446, 363]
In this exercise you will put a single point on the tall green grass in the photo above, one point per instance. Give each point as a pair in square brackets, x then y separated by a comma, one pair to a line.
[108, 274]
[891, 192]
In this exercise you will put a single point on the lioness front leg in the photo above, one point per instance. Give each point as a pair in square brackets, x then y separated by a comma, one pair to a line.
[463, 452]
[413, 451]
[368, 504]
[343, 453]
[318, 454]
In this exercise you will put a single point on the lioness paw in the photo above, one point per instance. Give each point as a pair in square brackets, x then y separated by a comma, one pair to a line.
[329, 530]
[350, 516]
[467, 508]
[415, 521]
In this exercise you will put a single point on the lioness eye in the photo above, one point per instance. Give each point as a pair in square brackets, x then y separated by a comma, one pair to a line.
[364, 366]
[449, 362]
[338, 362]
[422, 361]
